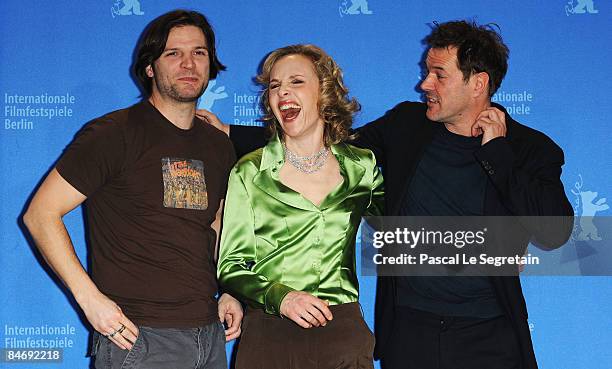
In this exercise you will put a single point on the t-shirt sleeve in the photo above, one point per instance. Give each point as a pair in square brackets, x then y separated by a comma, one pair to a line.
[96, 155]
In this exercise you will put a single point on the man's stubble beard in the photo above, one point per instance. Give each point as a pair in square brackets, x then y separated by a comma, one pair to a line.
[172, 91]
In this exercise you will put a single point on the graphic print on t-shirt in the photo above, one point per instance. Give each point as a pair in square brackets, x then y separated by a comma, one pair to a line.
[184, 184]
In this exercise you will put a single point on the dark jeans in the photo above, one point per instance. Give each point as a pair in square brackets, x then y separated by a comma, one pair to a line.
[422, 340]
[165, 348]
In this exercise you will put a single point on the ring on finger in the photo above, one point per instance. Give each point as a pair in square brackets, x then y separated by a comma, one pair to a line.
[121, 329]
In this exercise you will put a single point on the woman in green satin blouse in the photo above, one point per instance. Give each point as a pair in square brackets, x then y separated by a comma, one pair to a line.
[291, 216]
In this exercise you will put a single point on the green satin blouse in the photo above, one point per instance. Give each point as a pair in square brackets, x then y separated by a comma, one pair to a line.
[275, 241]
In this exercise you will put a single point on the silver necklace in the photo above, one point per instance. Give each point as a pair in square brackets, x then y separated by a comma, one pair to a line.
[306, 164]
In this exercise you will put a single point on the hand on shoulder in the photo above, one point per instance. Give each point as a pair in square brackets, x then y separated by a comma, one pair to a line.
[213, 120]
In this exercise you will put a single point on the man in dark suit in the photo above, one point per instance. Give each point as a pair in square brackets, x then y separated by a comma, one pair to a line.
[478, 162]
[459, 154]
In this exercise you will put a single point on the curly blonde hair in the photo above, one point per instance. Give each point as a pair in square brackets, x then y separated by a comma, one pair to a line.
[335, 107]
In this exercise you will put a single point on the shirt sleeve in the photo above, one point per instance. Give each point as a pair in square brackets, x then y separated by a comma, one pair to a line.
[96, 155]
[238, 253]
[377, 193]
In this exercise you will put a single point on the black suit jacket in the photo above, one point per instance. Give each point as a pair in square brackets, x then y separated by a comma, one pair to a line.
[523, 171]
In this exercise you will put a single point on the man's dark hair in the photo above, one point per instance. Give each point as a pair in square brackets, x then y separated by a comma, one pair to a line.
[479, 49]
[155, 36]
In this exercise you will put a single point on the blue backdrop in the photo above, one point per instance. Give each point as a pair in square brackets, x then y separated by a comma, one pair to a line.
[66, 62]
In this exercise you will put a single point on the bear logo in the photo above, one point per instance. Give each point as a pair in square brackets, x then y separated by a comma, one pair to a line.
[129, 7]
[588, 208]
[356, 7]
[210, 96]
[581, 7]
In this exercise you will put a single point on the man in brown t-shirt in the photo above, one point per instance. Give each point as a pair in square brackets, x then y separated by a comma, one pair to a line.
[154, 179]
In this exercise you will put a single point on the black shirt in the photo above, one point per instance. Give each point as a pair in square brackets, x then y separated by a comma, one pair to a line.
[448, 182]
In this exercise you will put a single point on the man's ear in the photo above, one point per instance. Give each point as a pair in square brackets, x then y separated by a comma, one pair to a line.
[481, 83]
[149, 71]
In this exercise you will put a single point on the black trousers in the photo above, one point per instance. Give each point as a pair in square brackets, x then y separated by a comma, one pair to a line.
[422, 340]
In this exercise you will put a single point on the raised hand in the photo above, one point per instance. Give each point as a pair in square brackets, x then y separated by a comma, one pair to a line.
[491, 123]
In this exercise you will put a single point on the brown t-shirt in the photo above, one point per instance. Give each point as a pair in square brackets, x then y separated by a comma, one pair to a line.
[152, 191]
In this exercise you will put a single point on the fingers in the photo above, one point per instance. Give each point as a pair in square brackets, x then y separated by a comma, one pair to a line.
[315, 317]
[482, 120]
[107, 318]
[233, 328]
[490, 123]
[119, 340]
[230, 312]
[493, 113]
[477, 127]
[207, 116]
[500, 116]
[131, 332]
[318, 313]
[309, 318]
[306, 310]
[111, 324]
[116, 338]
[495, 117]
[124, 335]
[234, 335]
[323, 308]
[482, 125]
[301, 319]
[492, 116]
[203, 114]
[212, 119]
[123, 332]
